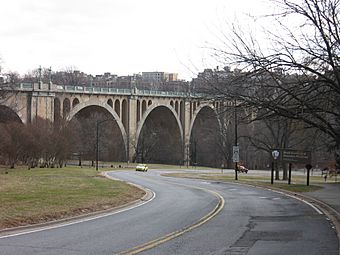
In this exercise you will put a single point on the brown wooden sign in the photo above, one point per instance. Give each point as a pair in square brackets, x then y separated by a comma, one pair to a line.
[295, 156]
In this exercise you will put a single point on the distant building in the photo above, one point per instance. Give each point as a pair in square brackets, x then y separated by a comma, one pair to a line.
[172, 77]
[159, 77]
[140, 81]
[204, 80]
[104, 80]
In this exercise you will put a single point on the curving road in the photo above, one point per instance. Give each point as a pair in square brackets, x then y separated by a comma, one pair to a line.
[252, 221]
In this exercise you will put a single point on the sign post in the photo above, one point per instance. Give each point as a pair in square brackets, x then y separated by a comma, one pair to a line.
[308, 167]
[236, 158]
[275, 154]
[294, 156]
[290, 173]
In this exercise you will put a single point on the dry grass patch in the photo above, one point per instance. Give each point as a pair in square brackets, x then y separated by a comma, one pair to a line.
[40, 195]
[298, 182]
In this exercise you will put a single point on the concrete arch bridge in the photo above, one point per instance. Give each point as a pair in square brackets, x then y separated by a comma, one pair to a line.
[173, 127]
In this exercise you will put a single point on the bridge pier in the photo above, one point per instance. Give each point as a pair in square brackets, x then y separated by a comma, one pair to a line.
[41, 105]
[186, 128]
[132, 128]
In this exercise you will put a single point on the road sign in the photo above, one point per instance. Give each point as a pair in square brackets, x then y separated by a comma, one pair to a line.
[292, 156]
[275, 154]
[236, 154]
[296, 156]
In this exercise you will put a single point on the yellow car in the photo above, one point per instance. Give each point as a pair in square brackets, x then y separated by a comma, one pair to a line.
[142, 167]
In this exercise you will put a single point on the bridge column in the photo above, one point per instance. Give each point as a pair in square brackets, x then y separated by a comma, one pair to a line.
[186, 129]
[132, 128]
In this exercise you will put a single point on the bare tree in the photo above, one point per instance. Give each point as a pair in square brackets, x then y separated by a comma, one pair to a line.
[297, 76]
[13, 146]
[42, 74]
[147, 146]
[40, 143]
[7, 81]
[70, 76]
[110, 140]
[225, 142]
[280, 132]
[64, 141]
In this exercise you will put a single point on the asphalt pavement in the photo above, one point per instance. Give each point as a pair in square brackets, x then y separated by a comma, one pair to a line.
[190, 217]
[329, 194]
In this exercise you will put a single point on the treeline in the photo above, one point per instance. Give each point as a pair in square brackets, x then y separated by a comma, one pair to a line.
[38, 144]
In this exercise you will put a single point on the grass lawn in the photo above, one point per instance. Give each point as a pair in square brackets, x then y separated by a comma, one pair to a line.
[298, 182]
[132, 166]
[44, 194]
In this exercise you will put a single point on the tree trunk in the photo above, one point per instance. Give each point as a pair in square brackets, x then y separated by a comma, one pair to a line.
[285, 171]
[277, 172]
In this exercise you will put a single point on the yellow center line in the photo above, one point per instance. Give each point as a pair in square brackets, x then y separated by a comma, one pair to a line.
[172, 235]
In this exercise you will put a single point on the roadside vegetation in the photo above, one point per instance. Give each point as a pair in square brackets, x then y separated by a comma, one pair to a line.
[132, 166]
[298, 182]
[45, 194]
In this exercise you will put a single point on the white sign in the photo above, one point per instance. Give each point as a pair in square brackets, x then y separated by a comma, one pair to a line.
[275, 154]
[236, 154]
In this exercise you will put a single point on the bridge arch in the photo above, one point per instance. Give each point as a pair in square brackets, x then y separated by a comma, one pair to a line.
[198, 110]
[117, 107]
[176, 106]
[110, 103]
[104, 105]
[147, 113]
[170, 143]
[66, 107]
[125, 112]
[7, 114]
[57, 108]
[75, 102]
[143, 106]
[203, 136]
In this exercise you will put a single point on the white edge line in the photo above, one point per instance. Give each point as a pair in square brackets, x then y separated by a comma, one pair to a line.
[80, 221]
[302, 200]
[288, 195]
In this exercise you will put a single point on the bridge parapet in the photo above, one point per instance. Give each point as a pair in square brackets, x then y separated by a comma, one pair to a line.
[103, 90]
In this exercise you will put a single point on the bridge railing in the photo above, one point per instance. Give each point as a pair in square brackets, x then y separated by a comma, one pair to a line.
[101, 90]
[25, 86]
[105, 90]
[161, 93]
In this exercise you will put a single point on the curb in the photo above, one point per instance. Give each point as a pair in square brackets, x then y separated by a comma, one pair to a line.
[148, 196]
[148, 193]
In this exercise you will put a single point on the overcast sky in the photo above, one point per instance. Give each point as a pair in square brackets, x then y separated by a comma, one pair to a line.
[118, 36]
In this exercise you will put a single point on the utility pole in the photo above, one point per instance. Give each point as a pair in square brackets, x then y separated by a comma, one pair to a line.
[49, 78]
[40, 81]
[235, 118]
